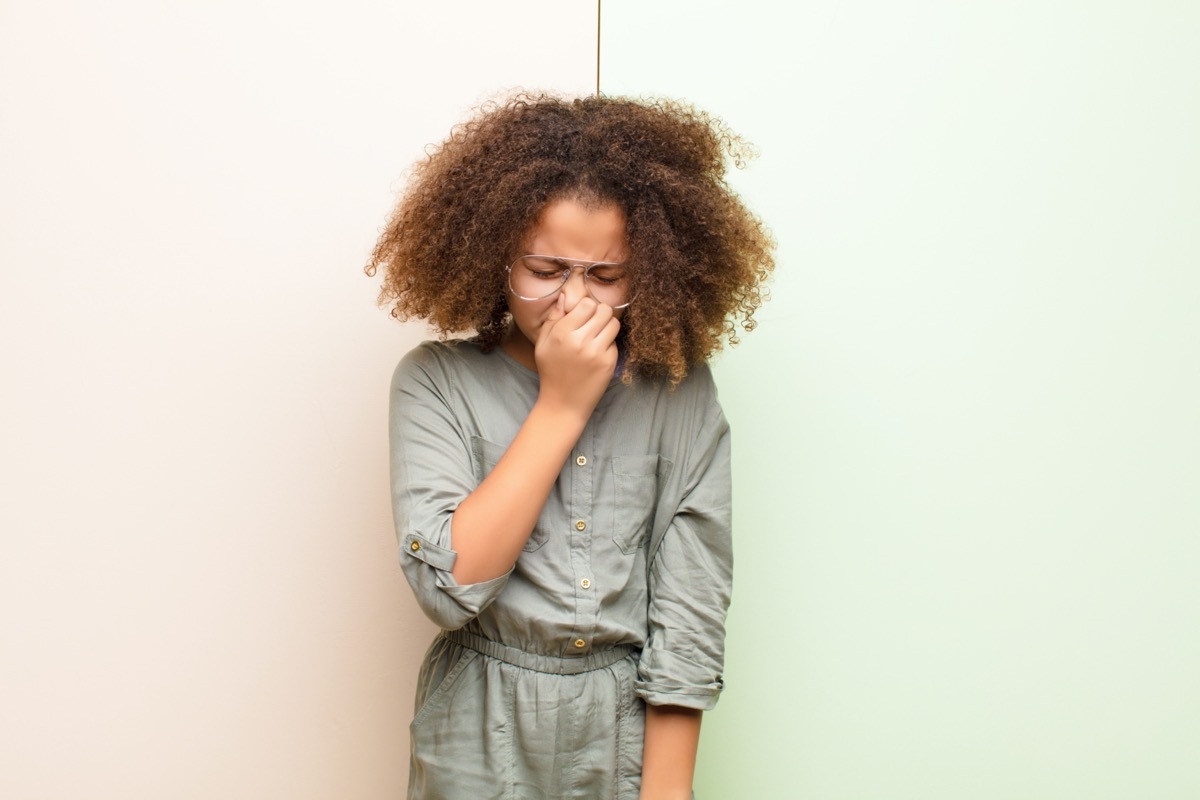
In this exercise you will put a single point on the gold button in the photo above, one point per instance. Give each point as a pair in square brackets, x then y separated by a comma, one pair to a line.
[580, 642]
[581, 460]
[580, 525]
[415, 546]
[585, 583]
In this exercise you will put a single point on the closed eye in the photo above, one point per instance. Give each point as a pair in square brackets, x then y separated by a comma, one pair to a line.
[606, 274]
[550, 268]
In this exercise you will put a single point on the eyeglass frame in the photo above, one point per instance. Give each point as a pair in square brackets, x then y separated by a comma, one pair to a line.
[571, 264]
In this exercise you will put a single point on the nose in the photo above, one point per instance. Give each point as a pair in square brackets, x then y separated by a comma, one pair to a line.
[575, 289]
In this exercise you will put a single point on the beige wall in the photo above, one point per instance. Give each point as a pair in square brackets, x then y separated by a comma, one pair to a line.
[199, 594]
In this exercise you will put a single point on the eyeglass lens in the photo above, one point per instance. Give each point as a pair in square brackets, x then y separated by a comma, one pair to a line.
[537, 277]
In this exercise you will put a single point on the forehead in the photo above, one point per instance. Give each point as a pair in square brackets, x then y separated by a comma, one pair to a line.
[569, 228]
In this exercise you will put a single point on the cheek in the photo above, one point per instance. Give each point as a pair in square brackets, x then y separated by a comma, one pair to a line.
[529, 316]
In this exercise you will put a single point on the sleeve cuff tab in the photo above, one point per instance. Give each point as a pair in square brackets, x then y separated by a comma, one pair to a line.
[419, 547]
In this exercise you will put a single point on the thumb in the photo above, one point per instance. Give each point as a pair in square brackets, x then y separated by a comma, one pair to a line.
[557, 312]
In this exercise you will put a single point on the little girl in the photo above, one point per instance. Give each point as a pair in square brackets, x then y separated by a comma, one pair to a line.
[560, 480]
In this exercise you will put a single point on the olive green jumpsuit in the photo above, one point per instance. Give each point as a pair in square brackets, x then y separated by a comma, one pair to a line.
[537, 686]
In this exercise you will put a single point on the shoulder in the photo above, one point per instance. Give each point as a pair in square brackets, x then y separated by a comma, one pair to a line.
[684, 413]
[699, 382]
[704, 401]
[435, 362]
[697, 392]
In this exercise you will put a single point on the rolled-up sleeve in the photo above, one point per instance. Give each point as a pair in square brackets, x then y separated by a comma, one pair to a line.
[431, 474]
[691, 576]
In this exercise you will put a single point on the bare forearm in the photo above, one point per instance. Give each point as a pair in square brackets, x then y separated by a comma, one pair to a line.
[492, 524]
[575, 355]
[669, 753]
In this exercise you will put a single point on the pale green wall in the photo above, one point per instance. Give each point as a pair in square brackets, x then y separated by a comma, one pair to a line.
[967, 430]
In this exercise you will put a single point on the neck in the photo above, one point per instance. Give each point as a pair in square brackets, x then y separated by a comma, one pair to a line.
[520, 348]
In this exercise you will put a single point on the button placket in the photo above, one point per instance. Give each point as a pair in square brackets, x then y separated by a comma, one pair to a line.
[582, 519]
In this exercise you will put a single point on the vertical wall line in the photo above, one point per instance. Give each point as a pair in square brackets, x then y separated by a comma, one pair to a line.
[597, 48]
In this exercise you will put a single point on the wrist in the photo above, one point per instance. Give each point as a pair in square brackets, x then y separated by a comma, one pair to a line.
[561, 414]
[677, 794]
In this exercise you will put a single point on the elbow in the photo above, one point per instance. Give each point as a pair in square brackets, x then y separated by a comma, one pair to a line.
[669, 679]
[447, 615]
[447, 603]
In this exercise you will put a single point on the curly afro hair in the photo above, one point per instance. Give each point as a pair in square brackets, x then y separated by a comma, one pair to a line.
[697, 256]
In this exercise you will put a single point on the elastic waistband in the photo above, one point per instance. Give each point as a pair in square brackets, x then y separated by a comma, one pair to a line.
[555, 665]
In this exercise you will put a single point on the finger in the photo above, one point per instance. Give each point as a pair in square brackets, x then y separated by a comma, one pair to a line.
[555, 314]
[558, 310]
[608, 334]
[580, 314]
[596, 323]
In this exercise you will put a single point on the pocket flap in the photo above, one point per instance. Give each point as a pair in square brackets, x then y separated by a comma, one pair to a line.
[639, 466]
[485, 455]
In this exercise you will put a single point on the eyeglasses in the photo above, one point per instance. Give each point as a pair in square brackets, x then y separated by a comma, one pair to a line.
[539, 277]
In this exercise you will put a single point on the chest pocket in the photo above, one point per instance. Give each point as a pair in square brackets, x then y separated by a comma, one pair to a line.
[484, 457]
[637, 481]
